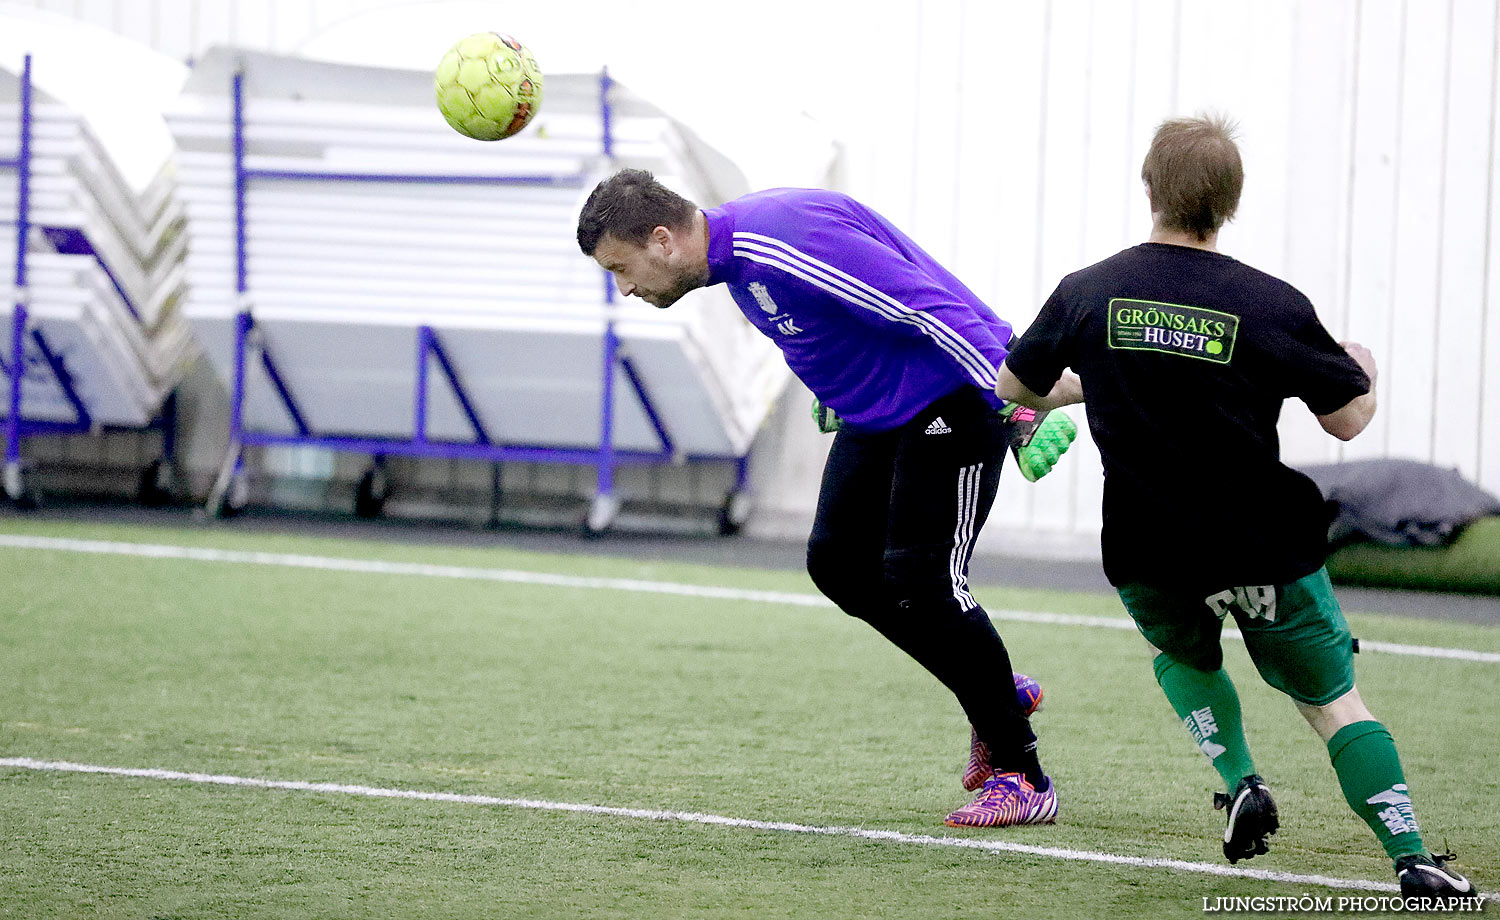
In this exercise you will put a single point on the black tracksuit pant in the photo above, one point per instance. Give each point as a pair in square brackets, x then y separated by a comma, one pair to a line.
[897, 518]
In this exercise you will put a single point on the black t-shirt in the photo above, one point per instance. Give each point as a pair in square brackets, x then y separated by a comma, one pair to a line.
[1186, 356]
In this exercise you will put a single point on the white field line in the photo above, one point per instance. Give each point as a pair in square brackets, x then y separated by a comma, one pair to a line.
[383, 567]
[688, 817]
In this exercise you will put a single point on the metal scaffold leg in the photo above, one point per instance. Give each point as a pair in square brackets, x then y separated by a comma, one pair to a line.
[602, 513]
[231, 492]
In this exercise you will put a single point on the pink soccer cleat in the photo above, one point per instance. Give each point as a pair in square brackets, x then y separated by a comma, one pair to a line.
[1006, 800]
[1029, 696]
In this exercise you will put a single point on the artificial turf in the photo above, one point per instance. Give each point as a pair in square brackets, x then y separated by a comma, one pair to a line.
[566, 694]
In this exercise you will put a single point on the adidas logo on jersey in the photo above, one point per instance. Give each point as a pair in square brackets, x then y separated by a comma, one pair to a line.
[938, 426]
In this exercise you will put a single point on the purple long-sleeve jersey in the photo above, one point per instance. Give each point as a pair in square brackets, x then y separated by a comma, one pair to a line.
[874, 326]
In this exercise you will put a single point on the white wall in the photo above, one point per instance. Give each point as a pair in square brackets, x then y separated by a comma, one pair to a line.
[1368, 132]
[1007, 137]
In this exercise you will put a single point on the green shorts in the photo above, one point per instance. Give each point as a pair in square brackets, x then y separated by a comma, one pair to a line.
[1296, 634]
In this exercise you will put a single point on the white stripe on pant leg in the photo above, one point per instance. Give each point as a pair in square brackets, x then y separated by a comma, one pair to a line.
[971, 514]
[963, 534]
[958, 535]
[976, 485]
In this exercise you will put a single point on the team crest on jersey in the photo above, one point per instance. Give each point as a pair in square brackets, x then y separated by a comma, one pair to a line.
[763, 298]
[784, 323]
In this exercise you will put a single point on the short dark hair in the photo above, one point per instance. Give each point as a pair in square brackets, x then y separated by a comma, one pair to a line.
[1193, 173]
[628, 206]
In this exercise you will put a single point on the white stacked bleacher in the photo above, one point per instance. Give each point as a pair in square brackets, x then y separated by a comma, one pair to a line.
[105, 273]
[342, 271]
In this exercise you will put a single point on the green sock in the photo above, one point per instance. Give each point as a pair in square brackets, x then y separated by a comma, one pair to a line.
[1210, 708]
[1369, 770]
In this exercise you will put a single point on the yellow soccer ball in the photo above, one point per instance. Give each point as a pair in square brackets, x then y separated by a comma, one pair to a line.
[488, 86]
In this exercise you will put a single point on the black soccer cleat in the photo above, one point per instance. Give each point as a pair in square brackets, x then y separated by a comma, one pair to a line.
[1424, 876]
[1252, 818]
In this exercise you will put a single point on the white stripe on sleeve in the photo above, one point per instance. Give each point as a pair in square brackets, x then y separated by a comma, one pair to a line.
[849, 287]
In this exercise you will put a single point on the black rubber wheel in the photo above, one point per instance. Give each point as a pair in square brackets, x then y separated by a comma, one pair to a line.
[154, 488]
[371, 493]
[733, 513]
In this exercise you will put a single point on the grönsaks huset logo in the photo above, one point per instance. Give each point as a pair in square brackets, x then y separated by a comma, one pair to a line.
[1174, 329]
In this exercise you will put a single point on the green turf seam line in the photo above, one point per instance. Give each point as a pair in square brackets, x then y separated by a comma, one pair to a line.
[689, 817]
[513, 576]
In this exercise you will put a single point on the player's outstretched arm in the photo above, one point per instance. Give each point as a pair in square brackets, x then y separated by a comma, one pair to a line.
[1038, 437]
[1352, 418]
[1066, 392]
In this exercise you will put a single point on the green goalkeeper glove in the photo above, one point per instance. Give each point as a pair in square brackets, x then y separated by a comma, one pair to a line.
[1037, 438]
[827, 419]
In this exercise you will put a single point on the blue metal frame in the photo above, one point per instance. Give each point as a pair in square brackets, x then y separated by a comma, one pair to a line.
[17, 427]
[428, 346]
[71, 241]
[66, 240]
[572, 181]
[606, 458]
[18, 318]
[65, 380]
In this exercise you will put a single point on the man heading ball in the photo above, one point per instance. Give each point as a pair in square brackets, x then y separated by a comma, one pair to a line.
[903, 359]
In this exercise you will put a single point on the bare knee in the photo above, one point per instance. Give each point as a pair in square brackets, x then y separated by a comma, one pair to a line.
[1327, 719]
